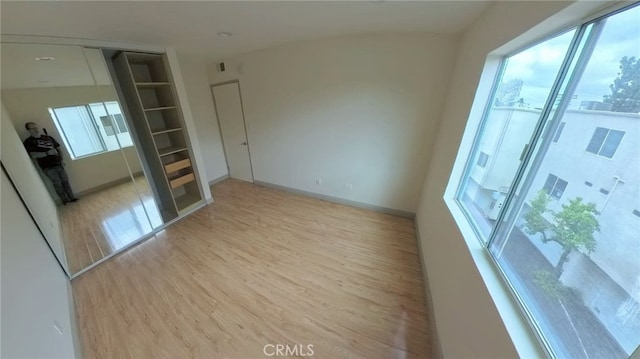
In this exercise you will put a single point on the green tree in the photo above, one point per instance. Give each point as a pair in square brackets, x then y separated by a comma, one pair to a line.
[572, 227]
[625, 89]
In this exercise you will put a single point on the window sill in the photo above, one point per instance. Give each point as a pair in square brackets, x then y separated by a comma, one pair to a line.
[98, 153]
[524, 339]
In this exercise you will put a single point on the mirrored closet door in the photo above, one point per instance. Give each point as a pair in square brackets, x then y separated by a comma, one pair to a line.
[70, 150]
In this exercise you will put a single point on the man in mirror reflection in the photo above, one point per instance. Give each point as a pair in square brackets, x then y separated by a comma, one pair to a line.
[46, 151]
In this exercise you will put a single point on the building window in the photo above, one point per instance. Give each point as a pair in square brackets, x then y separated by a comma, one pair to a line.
[605, 142]
[482, 159]
[559, 132]
[554, 186]
[113, 124]
[567, 253]
[92, 128]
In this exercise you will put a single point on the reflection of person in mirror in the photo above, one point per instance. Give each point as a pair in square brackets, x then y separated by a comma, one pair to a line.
[46, 150]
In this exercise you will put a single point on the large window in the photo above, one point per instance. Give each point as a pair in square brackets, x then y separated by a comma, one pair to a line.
[570, 253]
[92, 128]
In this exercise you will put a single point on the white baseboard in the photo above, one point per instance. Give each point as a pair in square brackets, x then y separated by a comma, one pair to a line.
[346, 202]
[75, 330]
[107, 185]
[436, 348]
[219, 179]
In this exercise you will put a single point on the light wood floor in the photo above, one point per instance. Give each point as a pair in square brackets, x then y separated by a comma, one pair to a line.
[260, 266]
[103, 222]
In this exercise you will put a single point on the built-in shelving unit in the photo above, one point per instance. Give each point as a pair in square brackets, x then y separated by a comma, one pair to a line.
[159, 108]
[151, 98]
[152, 84]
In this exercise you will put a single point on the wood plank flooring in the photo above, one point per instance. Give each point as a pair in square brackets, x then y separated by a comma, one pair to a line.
[103, 222]
[260, 266]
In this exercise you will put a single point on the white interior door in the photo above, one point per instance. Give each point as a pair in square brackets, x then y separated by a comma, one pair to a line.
[234, 135]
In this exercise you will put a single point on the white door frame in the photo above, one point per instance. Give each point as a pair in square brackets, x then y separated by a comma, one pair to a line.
[244, 124]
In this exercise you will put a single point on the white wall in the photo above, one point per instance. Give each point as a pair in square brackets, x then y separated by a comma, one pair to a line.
[194, 74]
[35, 291]
[24, 174]
[467, 316]
[354, 110]
[26, 105]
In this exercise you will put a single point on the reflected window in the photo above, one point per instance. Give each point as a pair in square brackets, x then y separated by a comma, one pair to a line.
[92, 128]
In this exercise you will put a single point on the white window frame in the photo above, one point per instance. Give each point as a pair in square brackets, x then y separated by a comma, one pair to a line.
[556, 137]
[516, 324]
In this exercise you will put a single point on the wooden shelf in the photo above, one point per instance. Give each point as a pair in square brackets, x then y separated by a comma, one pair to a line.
[151, 84]
[160, 108]
[166, 131]
[142, 58]
[178, 165]
[169, 150]
[182, 180]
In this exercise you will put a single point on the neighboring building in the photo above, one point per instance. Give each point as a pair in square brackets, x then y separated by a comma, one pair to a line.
[594, 155]
[500, 150]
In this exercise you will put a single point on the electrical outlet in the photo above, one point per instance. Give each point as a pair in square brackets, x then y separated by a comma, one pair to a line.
[348, 186]
[319, 181]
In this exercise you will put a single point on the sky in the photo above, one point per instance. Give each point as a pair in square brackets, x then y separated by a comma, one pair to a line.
[538, 66]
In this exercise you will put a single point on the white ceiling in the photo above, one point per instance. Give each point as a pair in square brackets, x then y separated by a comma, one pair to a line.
[191, 27]
[72, 66]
